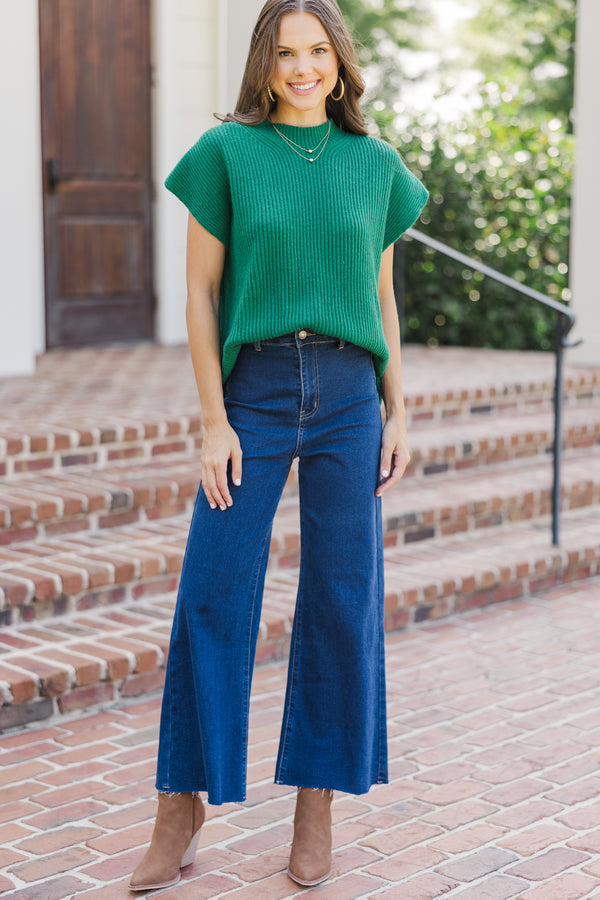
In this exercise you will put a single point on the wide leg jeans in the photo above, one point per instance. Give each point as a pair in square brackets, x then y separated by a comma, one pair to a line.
[315, 398]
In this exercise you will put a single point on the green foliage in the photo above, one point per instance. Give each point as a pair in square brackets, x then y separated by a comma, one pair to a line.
[500, 180]
[500, 191]
[528, 48]
[380, 28]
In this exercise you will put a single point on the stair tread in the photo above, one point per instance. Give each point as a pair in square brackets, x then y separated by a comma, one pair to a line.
[90, 399]
[87, 489]
[121, 486]
[476, 489]
[66, 656]
[433, 493]
[70, 565]
[99, 465]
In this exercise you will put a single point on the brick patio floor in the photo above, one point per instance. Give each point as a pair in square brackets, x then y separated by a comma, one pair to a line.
[494, 726]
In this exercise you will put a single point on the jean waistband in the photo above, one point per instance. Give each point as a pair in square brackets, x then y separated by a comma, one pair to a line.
[298, 338]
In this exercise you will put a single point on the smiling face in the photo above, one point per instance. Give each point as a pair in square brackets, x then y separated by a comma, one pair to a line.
[306, 73]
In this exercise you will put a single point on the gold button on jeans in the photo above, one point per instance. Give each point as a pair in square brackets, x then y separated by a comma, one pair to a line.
[302, 335]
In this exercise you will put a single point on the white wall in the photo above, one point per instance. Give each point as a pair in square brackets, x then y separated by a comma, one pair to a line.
[236, 21]
[21, 223]
[584, 280]
[199, 52]
[184, 97]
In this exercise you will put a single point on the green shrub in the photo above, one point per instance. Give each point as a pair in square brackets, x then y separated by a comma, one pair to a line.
[500, 191]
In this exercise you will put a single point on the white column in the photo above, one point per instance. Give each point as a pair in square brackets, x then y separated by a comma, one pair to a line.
[185, 90]
[22, 331]
[236, 21]
[199, 52]
[585, 249]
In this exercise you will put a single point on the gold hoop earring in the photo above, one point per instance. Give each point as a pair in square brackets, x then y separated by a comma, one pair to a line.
[270, 93]
[342, 91]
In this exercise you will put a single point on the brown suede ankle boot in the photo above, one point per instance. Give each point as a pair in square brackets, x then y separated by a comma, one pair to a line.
[174, 842]
[310, 859]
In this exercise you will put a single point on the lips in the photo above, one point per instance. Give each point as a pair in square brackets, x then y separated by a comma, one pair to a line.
[305, 87]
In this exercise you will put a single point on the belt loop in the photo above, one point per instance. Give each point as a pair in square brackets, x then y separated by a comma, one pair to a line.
[341, 344]
[257, 346]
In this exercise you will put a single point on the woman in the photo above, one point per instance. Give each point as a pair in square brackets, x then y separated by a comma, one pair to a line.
[294, 339]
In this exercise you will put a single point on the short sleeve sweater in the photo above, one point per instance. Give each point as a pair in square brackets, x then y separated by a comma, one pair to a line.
[303, 240]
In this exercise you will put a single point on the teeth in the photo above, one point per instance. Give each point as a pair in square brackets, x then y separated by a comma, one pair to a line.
[304, 87]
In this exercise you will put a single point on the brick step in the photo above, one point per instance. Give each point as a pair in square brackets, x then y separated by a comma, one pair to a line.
[86, 498]
[83, 498]
[441, 505]
[68, 573]
[498, 438]
[60, 665]
[95, 407]
[100, 441]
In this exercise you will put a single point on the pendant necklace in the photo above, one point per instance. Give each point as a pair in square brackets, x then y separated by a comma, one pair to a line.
[311, 158]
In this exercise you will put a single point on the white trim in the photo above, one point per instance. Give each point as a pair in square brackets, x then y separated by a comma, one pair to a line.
[223, 58]
[586, 189]
[199, 50]
[237, 20]
[22, 332]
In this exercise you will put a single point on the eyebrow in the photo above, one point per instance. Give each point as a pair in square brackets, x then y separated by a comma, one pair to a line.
[318, 44]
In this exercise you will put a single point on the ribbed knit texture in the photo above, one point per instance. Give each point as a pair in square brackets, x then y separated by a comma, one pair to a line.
[304, 240]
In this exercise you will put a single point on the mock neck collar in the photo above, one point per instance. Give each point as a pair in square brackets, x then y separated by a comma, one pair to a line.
[305, 135]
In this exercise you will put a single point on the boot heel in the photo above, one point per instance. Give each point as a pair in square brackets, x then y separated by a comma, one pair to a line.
[190, 853]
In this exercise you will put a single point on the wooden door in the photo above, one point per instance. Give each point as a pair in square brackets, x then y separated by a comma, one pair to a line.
[95, 91]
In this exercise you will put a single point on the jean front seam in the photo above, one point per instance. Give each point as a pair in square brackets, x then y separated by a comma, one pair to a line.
[248, 658]
[288, 713]
[170, 740]
[381, 725]
[307, 414]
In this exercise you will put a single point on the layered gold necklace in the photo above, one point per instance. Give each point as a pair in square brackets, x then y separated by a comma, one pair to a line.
[300, 150]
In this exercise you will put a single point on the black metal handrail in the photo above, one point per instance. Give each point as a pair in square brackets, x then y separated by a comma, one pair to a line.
[565, 320]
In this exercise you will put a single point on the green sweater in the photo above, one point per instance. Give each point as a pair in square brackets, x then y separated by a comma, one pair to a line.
[303, 240]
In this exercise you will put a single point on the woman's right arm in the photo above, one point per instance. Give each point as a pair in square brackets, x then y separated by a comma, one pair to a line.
[220, 443]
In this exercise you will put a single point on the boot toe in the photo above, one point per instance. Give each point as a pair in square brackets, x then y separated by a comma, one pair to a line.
[150, 878]
[309, 879]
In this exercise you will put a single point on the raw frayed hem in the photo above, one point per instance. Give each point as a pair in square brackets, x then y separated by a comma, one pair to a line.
[180, 793]
[323, 790]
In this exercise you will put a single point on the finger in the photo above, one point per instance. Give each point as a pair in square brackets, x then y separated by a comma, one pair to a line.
[209, 488]
[236, 467]
[222, 487]
[387, 484]
[210, 485]
[209, 496]
[386, 459]
[399, 464]
[386, 463]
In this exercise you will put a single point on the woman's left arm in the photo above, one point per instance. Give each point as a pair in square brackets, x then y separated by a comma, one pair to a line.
[394, 443]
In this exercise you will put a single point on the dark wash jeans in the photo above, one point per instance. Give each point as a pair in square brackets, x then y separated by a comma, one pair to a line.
[315, 398]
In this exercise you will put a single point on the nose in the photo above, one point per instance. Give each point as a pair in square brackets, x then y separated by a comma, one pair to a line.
[302, 65]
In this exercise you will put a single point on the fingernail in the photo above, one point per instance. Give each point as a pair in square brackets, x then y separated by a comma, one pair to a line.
[223, 508]
[213, 505]
[237, 481]
[384, 473]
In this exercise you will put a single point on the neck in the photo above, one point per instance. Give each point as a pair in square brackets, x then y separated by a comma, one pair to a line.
[309, 119]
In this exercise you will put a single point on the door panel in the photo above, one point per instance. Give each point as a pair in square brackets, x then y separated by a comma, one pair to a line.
[95, 71]
[109, 258]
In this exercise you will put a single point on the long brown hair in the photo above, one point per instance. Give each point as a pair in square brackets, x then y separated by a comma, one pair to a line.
[253, 103]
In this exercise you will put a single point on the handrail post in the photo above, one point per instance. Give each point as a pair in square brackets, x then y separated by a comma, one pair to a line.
[564, 324]
[557, 449]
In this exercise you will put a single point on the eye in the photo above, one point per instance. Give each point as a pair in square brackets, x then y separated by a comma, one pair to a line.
[284, 53]
[320, 50]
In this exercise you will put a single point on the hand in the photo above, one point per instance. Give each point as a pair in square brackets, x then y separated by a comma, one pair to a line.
[220, 444]
[394, 455]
